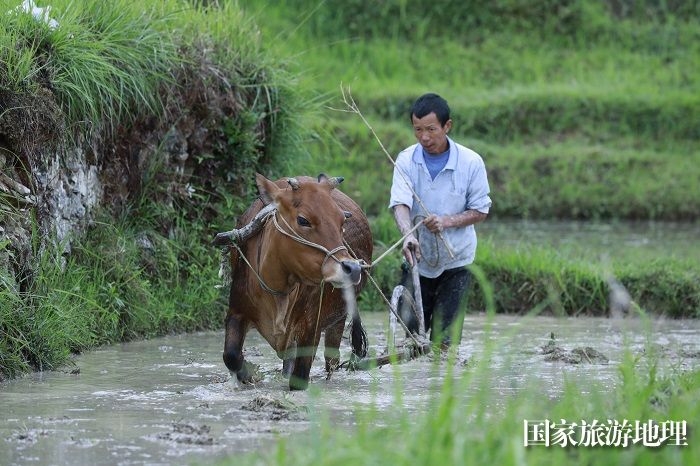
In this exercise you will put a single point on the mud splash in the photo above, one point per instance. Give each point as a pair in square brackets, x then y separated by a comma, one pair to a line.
[171, 401]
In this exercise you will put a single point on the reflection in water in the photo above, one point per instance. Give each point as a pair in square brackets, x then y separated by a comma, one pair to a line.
[170, 400]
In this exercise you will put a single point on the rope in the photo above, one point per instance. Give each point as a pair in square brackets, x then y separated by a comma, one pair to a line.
[262, 283]
[300, 239]
[393, 246]
[437, 249]
[318, 316]
[381, 293]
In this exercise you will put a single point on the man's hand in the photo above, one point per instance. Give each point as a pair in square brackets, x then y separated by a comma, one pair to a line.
[436, 224]
[410, 244]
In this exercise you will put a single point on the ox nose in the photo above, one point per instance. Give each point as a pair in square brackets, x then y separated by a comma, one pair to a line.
[352, 270]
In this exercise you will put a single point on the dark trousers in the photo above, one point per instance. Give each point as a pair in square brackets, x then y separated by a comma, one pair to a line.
[444, 303]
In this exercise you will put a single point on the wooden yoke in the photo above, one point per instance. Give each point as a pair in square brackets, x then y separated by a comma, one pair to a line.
[238, 236]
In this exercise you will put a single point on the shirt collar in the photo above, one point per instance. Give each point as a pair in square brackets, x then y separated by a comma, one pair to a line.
[451, 162]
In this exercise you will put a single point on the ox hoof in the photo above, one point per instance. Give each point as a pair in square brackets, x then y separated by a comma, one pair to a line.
[249, 374]
[296, 383]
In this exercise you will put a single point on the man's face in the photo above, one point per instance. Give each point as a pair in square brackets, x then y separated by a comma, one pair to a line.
[430, 134]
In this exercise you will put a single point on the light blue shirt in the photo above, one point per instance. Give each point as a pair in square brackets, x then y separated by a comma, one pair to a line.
[461, 185]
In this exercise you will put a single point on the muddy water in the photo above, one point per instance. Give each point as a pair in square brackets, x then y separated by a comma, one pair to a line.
[170, 400]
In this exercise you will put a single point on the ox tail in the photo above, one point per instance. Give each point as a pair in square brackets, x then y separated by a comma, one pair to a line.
[358, 337]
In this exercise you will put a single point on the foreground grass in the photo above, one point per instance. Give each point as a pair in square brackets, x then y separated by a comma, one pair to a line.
[462, 430]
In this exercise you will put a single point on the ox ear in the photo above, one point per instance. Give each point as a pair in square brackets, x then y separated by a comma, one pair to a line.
[267, 189]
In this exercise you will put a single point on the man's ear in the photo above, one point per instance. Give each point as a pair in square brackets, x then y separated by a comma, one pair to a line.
[448, 126]
[267, 189]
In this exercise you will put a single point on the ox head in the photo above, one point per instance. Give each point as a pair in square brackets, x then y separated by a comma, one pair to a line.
[306, 205]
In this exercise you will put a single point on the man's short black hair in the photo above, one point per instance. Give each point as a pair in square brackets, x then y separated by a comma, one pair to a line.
[428, 103]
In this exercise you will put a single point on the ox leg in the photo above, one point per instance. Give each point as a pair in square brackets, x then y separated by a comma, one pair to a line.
[236, 329]
[287, 356]
[332, 338]
[306, 350]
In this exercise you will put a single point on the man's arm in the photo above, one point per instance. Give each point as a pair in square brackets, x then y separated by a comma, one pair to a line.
[436, 223]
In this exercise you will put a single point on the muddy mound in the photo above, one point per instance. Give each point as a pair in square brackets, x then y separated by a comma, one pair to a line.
[275, 409]
[188, 434]
[581, 355]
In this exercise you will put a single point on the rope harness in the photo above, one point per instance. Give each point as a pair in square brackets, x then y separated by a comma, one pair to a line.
[328, 254]
[300, 239]
[296, 237]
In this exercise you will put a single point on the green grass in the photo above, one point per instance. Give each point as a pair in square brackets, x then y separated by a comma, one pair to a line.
[145, 269]
[127, 279]
[110, 63]
[594, 121]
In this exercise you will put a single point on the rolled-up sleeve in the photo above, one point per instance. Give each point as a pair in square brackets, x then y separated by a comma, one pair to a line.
[478, 192]
[400, 188]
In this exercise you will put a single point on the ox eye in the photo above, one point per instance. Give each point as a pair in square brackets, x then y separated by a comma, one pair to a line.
[302, 221]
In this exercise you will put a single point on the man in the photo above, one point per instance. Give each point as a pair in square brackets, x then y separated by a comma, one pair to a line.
[451, 182]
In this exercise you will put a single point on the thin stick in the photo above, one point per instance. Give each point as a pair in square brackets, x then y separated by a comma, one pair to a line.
[353, 108]
[418, 295]
[391, 248]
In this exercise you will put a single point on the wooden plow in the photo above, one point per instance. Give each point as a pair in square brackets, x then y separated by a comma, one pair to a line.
[416, 344]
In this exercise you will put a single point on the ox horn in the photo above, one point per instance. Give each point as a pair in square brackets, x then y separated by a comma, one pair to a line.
[333, 181]
[294, 183]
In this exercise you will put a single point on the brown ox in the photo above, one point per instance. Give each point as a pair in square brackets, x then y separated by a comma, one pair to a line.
[287, 314]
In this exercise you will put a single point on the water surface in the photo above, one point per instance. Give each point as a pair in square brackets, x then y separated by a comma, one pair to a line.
[170, 400]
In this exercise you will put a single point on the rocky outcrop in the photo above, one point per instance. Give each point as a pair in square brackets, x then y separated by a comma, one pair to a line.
[53, 181]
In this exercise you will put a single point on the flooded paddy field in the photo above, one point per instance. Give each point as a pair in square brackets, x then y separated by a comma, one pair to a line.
[621, 241]
[171, 401]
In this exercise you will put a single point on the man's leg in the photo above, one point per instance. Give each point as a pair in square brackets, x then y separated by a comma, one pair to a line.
[450, 305]
[428, 288]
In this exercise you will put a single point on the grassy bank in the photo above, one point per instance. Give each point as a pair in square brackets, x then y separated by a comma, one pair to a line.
[540, 278]
[123, 78]
[124, 282]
